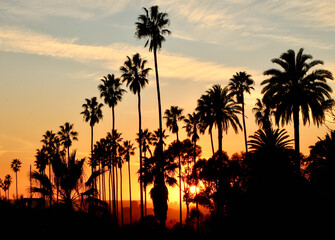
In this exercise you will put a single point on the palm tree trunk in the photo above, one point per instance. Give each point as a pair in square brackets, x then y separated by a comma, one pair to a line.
[92, 149]
[212, 144]
[180, 200]
[296, 135]
[244, 127]
[130, 207]
[121, 194]
[219, 199]
[140, 148]
[17, 196]
[159, 102]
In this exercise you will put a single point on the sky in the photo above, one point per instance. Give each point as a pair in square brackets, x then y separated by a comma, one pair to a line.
[53, 54]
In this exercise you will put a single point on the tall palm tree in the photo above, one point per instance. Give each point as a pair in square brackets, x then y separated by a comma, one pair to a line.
[92, 113]
[135, 74]
[111, 90]
[241, 82]
[6, 184]
[152, 26]
[129, 150]
[296, 89]
[15, 166]
[172, 116]
[66, 136]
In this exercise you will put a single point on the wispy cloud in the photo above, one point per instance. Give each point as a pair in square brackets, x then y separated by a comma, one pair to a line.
[81, 9]
[111, 56]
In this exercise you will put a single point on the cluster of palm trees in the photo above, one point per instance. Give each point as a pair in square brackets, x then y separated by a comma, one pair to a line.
[5, 184]
[292, 91]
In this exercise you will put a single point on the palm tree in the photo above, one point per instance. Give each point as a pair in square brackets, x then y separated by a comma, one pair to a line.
[68, 176]
[269, 140]
[15, 166]
[241, 82]
[111, 90]
[262, 115]
[172, 116]
[66, 136]
[6, 184]
[223, 111]
[135, 73]
[296, 89]
[192, 126]
[92, 113]
[152, 25]
[129, 150]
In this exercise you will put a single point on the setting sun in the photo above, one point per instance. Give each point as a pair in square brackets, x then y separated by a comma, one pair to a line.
[194, 189]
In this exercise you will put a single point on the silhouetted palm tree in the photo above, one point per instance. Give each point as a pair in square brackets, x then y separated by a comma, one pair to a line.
[296, 89]
[15, 166]
[152, 25]
[6, 184]
[135, 74]
[92, 113]
[172, 116]
[241, 82]
[129, 150]
[223, 111]
[67, 174]
[262, 115]
[66, 136]
[111, 90]
[269, 140]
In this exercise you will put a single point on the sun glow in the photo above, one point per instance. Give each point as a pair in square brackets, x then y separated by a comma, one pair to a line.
[194, 189]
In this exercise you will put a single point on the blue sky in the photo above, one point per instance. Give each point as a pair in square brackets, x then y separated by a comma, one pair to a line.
[53, 53]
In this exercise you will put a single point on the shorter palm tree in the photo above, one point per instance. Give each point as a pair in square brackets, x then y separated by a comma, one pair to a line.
[92, 113]
[270, 141]
[66, 136]
[15, 166]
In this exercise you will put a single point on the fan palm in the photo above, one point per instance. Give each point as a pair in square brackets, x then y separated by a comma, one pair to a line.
[66, 136]
[92, 113]
[135, 74]
[152, 25]
[296, 89]
[15, 166]
[269, 140]
[173, 115]
[241, 82]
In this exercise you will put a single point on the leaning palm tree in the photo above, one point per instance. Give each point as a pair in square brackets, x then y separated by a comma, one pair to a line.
[172, 116]
[296, 89]
[135, 74]
[152, 25]
[92, 113]
[241, 82]
[66, 136]
[15, 166]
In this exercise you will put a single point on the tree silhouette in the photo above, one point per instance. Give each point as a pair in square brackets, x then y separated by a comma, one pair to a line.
[6, 184]
[15, 166]
[241, 82]
[152, 25]
[172, 116]
[223, 112]
[296, 89]
[135, 73]
[92, 113]
[66, 136]
[262, 115]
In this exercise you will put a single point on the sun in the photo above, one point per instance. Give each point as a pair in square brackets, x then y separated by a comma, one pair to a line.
[194, 189]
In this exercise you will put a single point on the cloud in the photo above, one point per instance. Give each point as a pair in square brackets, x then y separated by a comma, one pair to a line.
[171, 65]
[81, 9]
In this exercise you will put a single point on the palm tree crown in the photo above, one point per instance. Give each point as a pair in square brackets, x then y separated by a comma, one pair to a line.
[134, 73]
[296, 89]
[152, 25]
[111, 90]
[92, 111]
